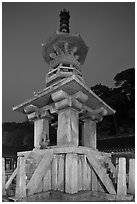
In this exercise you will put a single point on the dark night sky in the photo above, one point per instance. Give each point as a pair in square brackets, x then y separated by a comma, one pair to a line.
[107, 28]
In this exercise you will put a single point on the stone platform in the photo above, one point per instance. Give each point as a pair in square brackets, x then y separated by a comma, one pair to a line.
[81, 196]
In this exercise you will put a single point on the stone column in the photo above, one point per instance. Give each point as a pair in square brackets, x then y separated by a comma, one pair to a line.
[40, 126]
[40, 117]
[68, 108]
[89, 134]
[3, 177]
[71, 173]
[67, 132]
[131, 187]
[121, 184]
[21, 178]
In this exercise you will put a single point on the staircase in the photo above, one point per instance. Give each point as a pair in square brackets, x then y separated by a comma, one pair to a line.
[66, 174]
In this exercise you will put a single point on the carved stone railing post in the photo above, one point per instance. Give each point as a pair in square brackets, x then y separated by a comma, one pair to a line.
[21, 178]
[121, 185]
[131, 186]
[3, 177]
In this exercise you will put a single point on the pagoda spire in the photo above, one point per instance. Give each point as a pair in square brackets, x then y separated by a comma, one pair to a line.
[64, 21]
[64, 52]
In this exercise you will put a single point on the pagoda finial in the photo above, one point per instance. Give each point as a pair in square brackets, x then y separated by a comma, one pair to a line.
[64, 21]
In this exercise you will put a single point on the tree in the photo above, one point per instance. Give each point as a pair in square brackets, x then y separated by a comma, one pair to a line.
[122, 99]
[106, 127]
[17, 134]
[126, 81]
[101, 90]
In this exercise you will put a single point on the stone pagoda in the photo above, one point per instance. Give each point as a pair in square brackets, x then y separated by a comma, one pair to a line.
[66, 94]
[67, 167]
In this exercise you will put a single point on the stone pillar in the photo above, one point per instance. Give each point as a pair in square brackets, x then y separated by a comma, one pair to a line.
[41, 118]
[3, 177]
[89, 133]
[40, 125]
[131, 187]
[68, 108]
[121, 185]
[21, 178]
[67, 132]
[71, 174]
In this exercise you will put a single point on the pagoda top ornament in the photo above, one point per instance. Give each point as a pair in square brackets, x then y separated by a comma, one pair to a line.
[64, 21]
[64, 52]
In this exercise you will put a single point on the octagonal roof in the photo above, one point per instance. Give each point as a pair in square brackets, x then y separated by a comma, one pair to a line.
[73, 40]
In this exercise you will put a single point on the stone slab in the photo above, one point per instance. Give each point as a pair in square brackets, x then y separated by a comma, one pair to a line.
[121, 185]
[71, 85]
[85, 196]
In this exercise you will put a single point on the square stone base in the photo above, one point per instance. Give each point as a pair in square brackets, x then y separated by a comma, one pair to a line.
[85, 196]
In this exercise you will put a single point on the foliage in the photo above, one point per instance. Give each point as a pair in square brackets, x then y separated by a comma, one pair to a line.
[125, 79]
[17, 134]
[122, 99]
